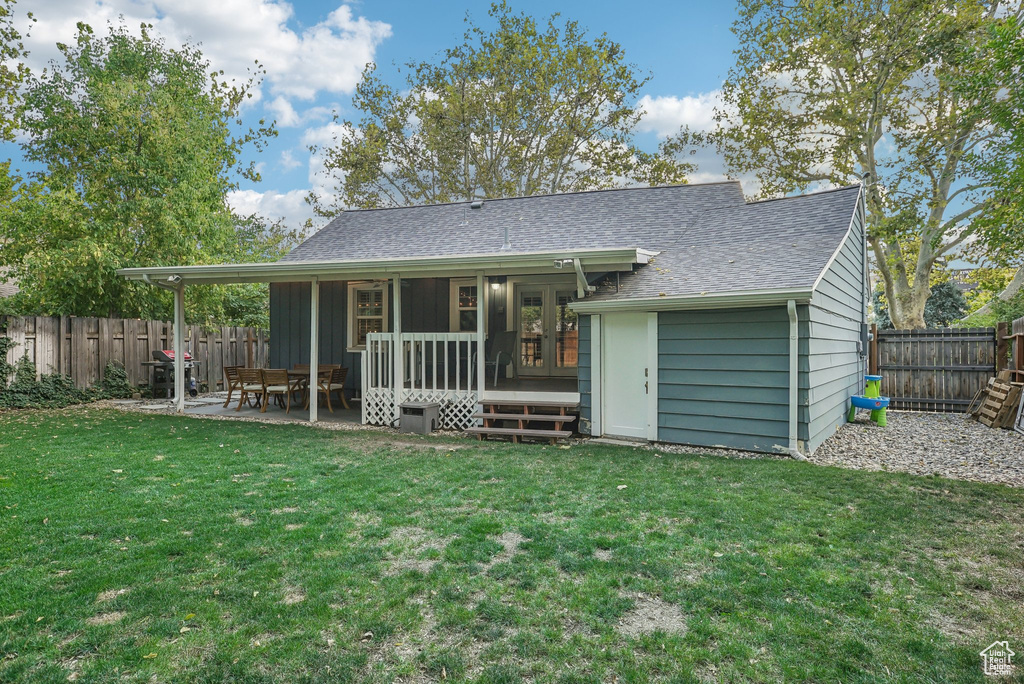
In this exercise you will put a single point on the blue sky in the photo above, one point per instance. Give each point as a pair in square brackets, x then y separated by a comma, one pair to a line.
[314, 52]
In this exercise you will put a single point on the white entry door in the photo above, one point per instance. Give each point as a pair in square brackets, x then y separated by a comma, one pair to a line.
[627, 381]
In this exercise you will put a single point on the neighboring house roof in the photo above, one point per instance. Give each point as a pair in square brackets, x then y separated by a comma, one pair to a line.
[648, 218]
[770, 245]
[8, 288]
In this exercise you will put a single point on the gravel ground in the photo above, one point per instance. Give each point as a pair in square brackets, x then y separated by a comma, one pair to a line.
[946, 444]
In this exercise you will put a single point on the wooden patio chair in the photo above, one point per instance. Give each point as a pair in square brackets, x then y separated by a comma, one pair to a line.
[277, 383]
[231, 382]
[331, 381]
[250, 382]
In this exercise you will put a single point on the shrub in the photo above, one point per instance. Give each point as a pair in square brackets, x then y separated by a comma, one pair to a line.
[20, 389]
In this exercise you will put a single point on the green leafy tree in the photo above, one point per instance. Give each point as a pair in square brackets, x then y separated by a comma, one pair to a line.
[529, 108]
[826, 92]
[138, 146]
[1002, 237]
[13, 73]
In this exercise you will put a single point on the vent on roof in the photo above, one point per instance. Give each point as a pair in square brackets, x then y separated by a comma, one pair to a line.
[476, 205]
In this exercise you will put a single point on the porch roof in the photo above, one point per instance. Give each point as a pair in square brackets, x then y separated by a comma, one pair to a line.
[495, 263]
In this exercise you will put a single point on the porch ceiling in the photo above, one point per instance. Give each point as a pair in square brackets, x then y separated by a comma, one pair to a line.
[519, 263]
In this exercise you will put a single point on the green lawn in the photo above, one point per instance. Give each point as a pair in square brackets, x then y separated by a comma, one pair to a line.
[156, 548]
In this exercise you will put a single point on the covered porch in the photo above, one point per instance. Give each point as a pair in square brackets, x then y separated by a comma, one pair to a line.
[458, 331]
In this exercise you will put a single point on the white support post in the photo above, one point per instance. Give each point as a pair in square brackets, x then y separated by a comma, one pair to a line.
[314, 348]
[399, 350]
[481, 313]
[179, 348]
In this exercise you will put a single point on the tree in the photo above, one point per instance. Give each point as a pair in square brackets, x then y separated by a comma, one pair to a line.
[138, 145]
[946, 305]
[1000, 69]
[13, 71]
[826, 92]
[523, 110]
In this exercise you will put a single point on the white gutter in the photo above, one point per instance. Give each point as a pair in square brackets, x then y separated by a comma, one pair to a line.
[541, 262]
[715, 300]
[794, 379]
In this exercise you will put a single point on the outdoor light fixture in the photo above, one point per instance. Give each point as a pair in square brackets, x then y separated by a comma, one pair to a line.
[174, 279]
[495, 286]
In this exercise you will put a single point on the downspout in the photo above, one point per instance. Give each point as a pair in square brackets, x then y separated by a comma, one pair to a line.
[582, 286]
[794, 379]
[146, 279]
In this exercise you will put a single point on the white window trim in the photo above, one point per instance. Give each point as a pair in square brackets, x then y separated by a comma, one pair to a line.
[482, 300]
[353, 288]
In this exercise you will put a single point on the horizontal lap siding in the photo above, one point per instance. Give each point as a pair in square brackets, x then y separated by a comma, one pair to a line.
[584, 374]
[723, 378]
[835, 364]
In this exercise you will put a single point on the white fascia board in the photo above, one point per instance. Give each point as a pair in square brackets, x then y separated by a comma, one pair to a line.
[296, 271]
[723, 300]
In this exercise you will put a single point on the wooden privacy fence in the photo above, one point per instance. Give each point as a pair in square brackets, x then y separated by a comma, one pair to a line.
[937, 369]
[82, 347]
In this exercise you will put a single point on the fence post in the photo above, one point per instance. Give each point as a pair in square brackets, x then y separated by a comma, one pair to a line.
[1002, 346]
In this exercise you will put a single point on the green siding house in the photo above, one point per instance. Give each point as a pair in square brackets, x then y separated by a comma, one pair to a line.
[680, 314]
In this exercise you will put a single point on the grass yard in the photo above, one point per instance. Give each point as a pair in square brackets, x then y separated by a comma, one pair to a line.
[156, 548]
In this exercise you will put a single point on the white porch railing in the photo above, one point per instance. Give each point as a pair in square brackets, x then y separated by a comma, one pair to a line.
[434, 367]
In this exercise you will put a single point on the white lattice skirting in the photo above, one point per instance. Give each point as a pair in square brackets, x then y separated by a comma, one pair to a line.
[456, 408]
[378, 406]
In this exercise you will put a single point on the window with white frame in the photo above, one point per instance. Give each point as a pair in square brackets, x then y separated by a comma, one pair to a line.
[367, 312]
[464, 306]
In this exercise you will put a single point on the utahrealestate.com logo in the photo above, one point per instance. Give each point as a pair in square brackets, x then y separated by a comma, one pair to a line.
[997, 659]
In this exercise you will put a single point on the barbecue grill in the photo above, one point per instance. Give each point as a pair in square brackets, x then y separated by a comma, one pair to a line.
[163, 372]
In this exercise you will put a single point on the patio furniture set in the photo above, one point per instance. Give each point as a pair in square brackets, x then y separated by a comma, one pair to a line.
[284, 385]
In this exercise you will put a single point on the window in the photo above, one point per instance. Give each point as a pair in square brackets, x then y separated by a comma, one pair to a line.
[368, 312]
[464, 305]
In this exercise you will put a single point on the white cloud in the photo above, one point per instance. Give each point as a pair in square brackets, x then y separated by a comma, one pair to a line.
[664, 115]
[289, 206]
[286, 116]
[288, 161]
[234, 34]
[323, 137]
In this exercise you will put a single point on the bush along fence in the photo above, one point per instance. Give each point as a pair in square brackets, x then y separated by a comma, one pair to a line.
[938, 369]
[85, 349]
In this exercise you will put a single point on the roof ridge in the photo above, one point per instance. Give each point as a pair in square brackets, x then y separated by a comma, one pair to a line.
[806, 194]
[549, 194]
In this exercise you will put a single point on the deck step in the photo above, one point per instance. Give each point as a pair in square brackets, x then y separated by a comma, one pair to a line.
[547, 417]
[518, 433]
[569, 405]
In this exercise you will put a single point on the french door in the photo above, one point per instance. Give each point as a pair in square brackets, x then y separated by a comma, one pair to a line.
[548, 329]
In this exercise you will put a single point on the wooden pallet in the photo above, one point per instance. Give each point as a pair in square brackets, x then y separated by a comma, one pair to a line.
[533, 420]
[1007, 414]
[997, 393]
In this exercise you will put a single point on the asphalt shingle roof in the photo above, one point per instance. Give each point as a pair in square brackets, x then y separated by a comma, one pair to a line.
[782, 243]
[647, 218]
[709, 238]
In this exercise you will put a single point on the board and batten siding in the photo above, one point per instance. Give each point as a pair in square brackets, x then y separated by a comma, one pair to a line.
[723, 378]
[836, 359]
[425, 304]
[584, 375]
